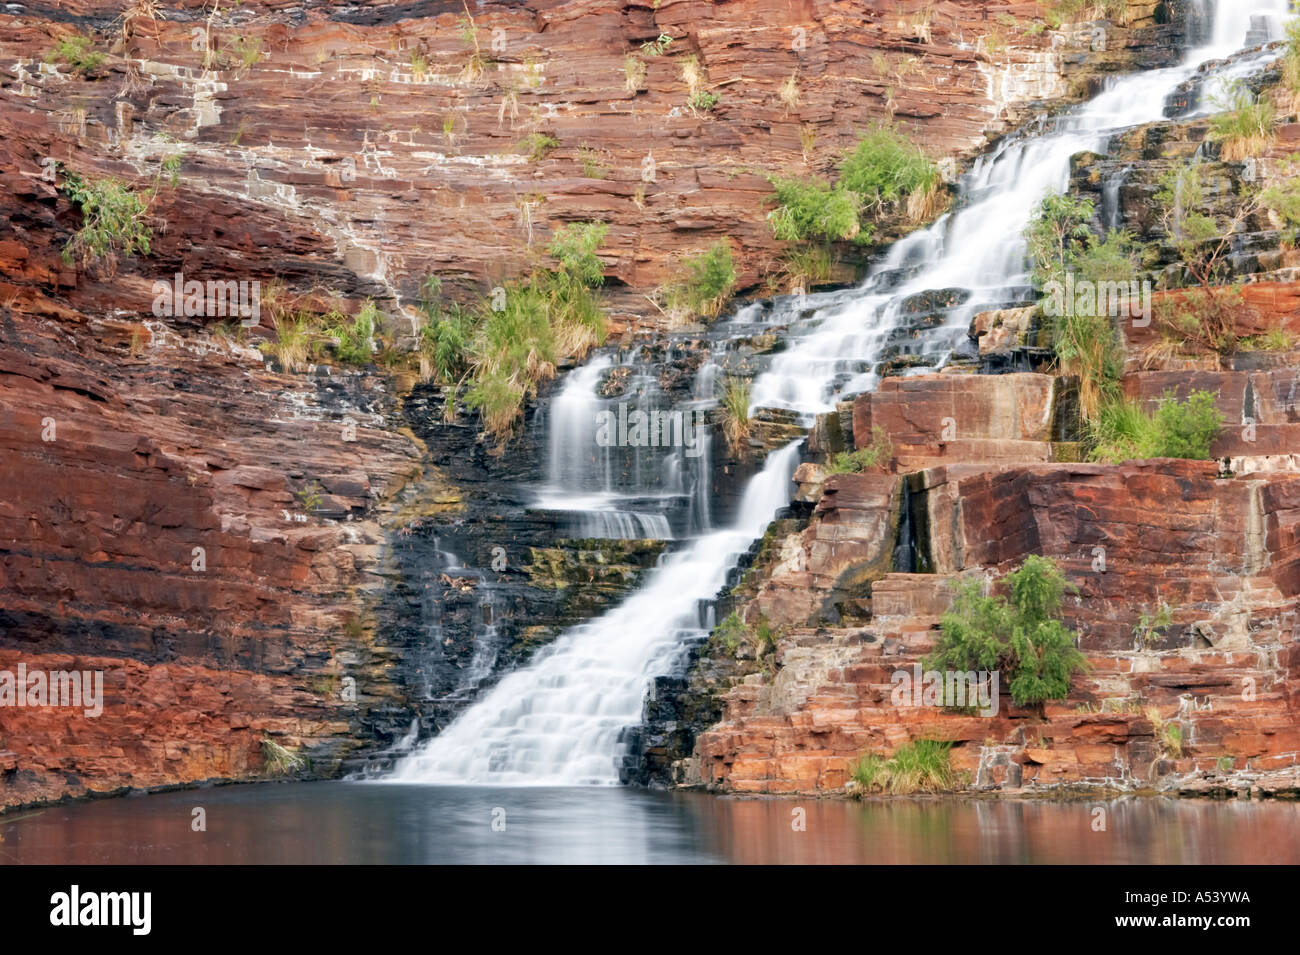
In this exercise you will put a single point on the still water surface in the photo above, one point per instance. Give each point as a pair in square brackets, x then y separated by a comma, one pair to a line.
[362, 823]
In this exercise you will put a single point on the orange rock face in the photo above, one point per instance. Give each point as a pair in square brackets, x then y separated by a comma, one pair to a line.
[1183, 706]
[182, 562]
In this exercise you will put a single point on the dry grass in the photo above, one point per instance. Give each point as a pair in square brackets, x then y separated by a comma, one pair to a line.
[928, 201]
[692, 74]
[789, 92]
[634, 71]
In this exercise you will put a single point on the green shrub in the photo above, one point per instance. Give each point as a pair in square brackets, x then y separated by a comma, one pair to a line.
[536, 146]
[1059, 225]
[1018, 634]
[1122, 432]
[1282, 197]
[353, 341]
[592, 166]
[292, 343]
[1275, 339]
[875, 454]
[248, 51]
[924, 765]
[114, 220]
[1060, 12]
[886, 166]
[545, 317]
[574, 247]
[1291, 61]
[507, 346]
[1186, 429]
[1060, 241]
[703, 101]
[1151, 626]
[446, 337]
[77, 53]
[806, 266]
[735, 407]
[812, 209]
[634, 70]
[710, 278]
[444, 344]
[731, 632]
[656, 47]
[1177, 429]
[1245, 127]
[1193, 234]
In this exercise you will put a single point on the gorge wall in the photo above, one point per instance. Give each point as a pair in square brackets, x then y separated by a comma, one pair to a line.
[259, 559]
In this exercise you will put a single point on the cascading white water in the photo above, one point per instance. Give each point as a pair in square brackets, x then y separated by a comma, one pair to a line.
[562, 719]
[981, 247]
[621, 490]
[559, 721]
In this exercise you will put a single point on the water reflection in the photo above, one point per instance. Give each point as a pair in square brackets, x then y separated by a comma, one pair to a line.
[358, 823]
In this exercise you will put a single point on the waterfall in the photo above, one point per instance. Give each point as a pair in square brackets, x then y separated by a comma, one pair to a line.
[563, 719]
[560, 721]
[614, 490]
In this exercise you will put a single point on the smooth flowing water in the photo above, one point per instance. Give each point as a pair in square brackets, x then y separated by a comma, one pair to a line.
[563, 719]
[322, 823]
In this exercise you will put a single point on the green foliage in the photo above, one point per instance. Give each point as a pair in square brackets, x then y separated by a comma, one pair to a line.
[634, 70]
[1186, 429]
[1291, 60]
[656, 47]
[1018, 634]
[1181, 198]
[1244, 128]
[77, 53]
[1060, 241]
[247, 51]
[353, 341]
[924, 765]
[868, 772]
[1152, 626]
[812, 209]
[292, 341]
[703, 101]
[445, 341]
[114, 220]
[1059, 225]
[1275, 339]
[886, 166]
[171, 166]
[1282, 197]
[592, 166]
[1177, 429]
[537, 145]
[309, 497]
[710, 278]
[731, 632]
[1061, 12]
[806, 266]
[520, 335]
[735, 407]
[574, 246]
[877, 453]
